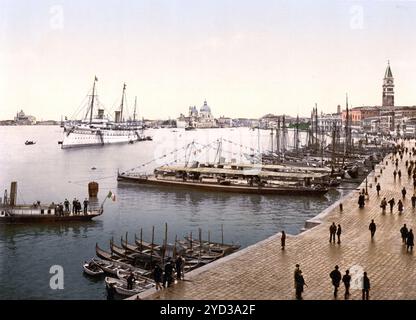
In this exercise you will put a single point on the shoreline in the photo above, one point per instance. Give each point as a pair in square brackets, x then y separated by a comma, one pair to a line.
[310, 225]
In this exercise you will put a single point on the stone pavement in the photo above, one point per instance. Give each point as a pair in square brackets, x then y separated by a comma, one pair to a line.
[264, 271]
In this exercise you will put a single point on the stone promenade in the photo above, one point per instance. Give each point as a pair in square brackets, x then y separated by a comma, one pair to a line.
[264, 271]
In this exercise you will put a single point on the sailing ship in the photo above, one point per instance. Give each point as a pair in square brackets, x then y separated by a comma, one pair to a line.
[98, 130]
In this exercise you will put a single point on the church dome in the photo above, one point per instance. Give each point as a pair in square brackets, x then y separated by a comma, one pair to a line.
[205, 107]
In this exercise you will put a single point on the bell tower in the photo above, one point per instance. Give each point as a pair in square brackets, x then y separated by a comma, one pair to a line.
[388, 88]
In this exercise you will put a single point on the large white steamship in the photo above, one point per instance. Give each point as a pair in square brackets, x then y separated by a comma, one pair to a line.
[99, 130]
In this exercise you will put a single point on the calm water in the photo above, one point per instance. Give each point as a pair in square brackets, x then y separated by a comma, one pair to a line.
[45, 172]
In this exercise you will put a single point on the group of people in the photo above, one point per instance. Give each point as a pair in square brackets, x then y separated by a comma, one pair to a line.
[336, 278]
[334, 230]
[407, 237]
[164, 278]
[76, 206]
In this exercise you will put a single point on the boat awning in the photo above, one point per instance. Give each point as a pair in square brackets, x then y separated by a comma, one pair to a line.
[245, 173]
[287, 168]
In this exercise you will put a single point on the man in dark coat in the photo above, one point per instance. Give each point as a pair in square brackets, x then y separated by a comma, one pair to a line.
[168, 273]
[391, 203]
[346, 279]
[178, 267]
[332, 232]
[404, 192]
[404, 232]
[299, 284]
[130, 281]
[66, 203]
[400, 206]
[335, 275]
[413, 198]
[361, 200]
[383, 205]
[366, 286]
[283, 240]
[339, 231]
[74, 205]
[157, 276]
[372, 227]
[378, 188]
[410, 240]
[86, 202]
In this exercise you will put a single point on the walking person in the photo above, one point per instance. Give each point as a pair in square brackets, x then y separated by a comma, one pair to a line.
[295, 274]
[361, 200]
[168, 273]
[410, 240]
[399, 173]
[339, 231]
[400, 206]
[366, 286]
[335, 275]
[157, 276]
[332, 232]
[394, 174]
[383, 205]
[299, 283]
[372, 227]
[178, 267]
[391, 203]
[403, 233]
[404, 192]
[378, 188]
[413, 199]
[283, 240]
[346, 279]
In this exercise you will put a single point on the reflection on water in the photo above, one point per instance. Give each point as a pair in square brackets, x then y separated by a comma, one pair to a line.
[47, 173]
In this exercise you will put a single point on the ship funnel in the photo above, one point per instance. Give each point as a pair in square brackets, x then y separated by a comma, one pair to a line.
[117, 116]
[13, 193]
[100, 113]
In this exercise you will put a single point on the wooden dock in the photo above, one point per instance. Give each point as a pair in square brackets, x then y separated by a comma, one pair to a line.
[265, 271]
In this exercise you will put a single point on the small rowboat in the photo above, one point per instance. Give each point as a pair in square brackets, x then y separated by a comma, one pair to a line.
[92, 269]
[121, 286]
[111, 267]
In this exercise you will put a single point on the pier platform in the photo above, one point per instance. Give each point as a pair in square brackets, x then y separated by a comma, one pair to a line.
[265, 271]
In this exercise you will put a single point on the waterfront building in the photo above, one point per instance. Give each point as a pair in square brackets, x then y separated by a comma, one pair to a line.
[327, 122]
[23, 119]
[386, 117]
[197, 119]
[224, 122]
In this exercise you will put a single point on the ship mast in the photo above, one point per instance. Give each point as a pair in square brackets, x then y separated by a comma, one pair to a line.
[122, 102]
[135, 104]
[92, 98]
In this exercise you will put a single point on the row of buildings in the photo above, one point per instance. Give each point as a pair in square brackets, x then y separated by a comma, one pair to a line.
[21, 119]
[386, 118]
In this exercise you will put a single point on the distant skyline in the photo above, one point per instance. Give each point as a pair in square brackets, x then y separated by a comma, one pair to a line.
[246, 58]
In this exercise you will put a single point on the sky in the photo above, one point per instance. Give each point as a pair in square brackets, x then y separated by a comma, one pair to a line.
[246, 58]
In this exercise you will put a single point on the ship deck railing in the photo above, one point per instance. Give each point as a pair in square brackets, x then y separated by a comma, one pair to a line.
[42, 210]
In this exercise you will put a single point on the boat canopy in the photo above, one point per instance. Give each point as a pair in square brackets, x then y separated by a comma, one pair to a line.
[253, 172]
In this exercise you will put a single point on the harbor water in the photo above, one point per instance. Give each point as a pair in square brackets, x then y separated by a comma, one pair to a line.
[47, 173]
